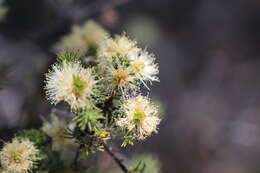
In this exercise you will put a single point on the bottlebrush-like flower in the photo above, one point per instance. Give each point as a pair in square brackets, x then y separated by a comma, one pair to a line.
[70, 82]
[18, 156]
[56, 129]
[120, 46]
[140, 117]
[144, 66]
[121, 78]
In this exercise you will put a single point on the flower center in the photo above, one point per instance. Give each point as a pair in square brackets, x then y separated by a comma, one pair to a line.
[138, 66]
[120, 77]
[79, 86]
[16, 156]
[138, 117]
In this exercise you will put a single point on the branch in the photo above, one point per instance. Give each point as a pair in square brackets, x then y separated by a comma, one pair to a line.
[116, 159]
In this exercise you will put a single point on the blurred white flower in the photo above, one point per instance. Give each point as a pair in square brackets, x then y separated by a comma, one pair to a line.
[56, 129]
[83, 37]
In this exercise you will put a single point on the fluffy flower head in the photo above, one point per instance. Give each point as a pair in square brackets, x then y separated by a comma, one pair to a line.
[18, 156]
[120, 46]
[120, 78]
[144, 66]
[70, 82]
[140, 117]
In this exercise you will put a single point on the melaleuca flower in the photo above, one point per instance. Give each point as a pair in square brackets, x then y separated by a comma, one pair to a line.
[73, 41]
[140, 117]
[18, 156]
[93, 33]
[144, 66]
[70, 82]
[56, 129]
[83, 37]
[121, 78]
[120, 46]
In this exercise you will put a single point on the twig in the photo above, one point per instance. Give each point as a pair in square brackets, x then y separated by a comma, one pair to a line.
[116, 159]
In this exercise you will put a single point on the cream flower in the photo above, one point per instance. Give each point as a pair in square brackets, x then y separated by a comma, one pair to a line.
[83, 37]
[18, 156]
[73, 41]
[93, 33]
[120, 46]
[56, 129]
[144, 66]
[70, 82]
[140, 117]
[119, 77]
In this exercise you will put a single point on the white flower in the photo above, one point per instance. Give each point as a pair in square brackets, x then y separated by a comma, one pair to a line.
[140, 117]
[83, 37]
[18, 156]
[56, 129]
[144, 66]
[73, 41]
[120, 78]
[93, 33]
[70, 82]
[120, 46]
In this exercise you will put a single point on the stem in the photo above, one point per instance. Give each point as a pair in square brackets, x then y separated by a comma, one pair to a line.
[116, 159]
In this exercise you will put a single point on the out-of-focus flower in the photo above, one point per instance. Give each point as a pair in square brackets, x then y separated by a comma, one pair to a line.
[70, 82]
[56, 129]
[140, 117]
[73, 41]
[93, 33]
[18, 156]
[83, 37]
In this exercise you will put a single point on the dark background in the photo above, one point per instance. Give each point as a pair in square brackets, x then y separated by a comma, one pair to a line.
[208, 51]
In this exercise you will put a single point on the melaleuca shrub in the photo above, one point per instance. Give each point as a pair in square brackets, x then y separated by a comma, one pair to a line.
[100, 87]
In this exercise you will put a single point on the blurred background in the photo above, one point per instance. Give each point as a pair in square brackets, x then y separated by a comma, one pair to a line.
[208, 52]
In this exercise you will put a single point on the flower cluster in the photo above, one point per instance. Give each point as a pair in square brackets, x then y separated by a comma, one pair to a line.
[117, 73]
[98, 80]
[125, 65]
